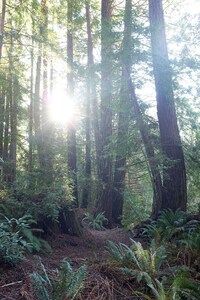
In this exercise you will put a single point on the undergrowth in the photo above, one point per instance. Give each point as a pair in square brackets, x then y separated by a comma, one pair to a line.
[17, 237]
[168, 267]
[63, 283]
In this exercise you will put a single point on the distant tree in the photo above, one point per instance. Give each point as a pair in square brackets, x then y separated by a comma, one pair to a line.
[90, 63]
[71, 139]
[2, 26]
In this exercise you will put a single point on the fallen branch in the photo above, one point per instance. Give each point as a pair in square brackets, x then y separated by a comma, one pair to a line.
[12, 283]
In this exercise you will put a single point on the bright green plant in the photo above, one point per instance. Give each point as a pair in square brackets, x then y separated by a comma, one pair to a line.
[65, 283]
[136, 260]
[12, 247]
[95, 222]
[16, 238]
[182, 288]
[150, 265]
[169, 224]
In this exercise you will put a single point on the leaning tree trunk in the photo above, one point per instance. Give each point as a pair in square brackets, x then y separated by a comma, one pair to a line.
[104, 204]
[174, 175]
[128, 92]
[149, 151]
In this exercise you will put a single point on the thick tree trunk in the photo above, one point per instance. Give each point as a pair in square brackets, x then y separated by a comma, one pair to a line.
[69, 222]
[72, 160]
[174, 175]
[105, 202]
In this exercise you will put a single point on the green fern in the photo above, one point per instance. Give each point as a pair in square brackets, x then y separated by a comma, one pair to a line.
[95, 222]
[182, 288]
[169, 224]
[65, 282]
[136, 257]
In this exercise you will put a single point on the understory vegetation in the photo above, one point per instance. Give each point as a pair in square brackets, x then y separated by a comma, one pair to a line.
[166, 264]
[99, 149]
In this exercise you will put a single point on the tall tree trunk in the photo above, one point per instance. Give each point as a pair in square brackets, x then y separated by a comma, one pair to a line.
[92, 83]
[13, 127]
[72, 160]
[6, 129]
[150, 153]
[105, 202]
[87, 189]
[2, 24]
[2, 118]
[174, 174]
[37, 106]
[30, 152]
[12, 118]
[123, 121]
[46, 128]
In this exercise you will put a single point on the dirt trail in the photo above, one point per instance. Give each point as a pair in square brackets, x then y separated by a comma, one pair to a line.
[15, 283]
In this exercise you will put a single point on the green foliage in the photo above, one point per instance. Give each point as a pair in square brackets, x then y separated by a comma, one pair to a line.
[16, 238]
[132, 212]
[169, 225]
[189, 245]
[182, 288]
[136, 260]
[95, 222]
[30, 194]
[64, 283]
[150, 265]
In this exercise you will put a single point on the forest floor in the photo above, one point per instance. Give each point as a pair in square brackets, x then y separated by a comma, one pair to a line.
[89, 249]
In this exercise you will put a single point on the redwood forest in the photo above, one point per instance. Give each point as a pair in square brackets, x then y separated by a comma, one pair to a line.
[99, 149]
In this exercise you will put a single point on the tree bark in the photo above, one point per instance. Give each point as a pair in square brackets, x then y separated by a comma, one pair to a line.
[92, 85]
[46, 128]
[105, 202]
[13, 127]
[150, 153]
[2, 24]
[2, 119]
[30, 151]
[123, 120]
[37, 106]
[72, 159]
[174, 193]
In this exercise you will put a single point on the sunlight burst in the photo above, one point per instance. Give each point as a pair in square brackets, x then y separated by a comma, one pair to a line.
[62, 109]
